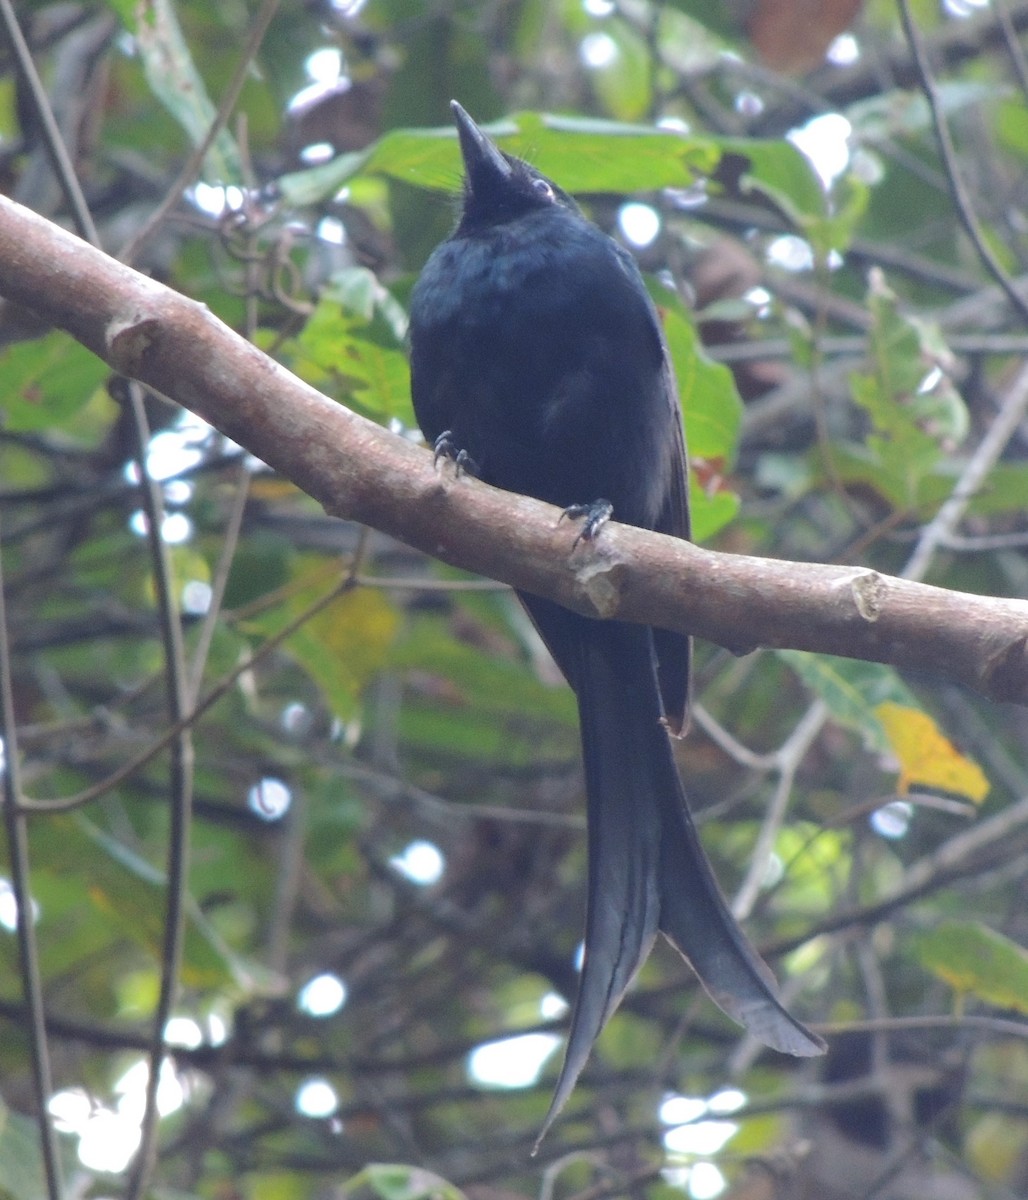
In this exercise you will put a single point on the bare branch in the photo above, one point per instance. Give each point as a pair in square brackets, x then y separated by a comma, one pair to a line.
[361, 472]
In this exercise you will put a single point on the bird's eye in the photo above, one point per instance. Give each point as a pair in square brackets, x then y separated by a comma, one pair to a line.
[544, 188]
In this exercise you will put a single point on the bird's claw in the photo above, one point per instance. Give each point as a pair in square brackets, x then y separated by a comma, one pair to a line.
[593, 515]
[445, 447]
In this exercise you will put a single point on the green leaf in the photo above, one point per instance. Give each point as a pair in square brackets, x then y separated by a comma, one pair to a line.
[848, 201]
[710, 512]
[1011, 127]
[917, 413]
[1004, 491]
[177, 83]
[624, 83]
[715, 15]
[710, 401]
[126, 11]
[995, 1140]
[814, 856]
[898, 113]
[128, 893]
[902, 453]
[342, 646]
[712, 412]
[784, 173]
[591, 155]
[852, 691]
[23, 1177]
[396, 1181]
[350, 347]
[483, 707]
[43, 383]
[22, 1174]
[273, 1185]
[359, 291]
[584, 154]
[976, 960]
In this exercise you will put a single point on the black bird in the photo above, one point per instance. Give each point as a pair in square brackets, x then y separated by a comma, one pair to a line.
[538, 363]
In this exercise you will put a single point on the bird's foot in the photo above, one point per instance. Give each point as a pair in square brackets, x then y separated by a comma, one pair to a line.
[593, 516]
[445, 447]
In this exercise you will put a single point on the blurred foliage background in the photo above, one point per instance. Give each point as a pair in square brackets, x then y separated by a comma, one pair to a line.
[384, 885]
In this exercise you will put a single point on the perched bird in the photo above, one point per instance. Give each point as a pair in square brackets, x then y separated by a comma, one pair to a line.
[538, 363]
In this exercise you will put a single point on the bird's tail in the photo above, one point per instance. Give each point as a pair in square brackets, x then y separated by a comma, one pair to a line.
[647, 868]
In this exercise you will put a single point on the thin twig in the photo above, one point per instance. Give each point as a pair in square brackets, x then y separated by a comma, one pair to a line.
[13, 817]
[186, 721]
[1013, 45]
[727, 742]
[220, 581]
[288, 882]
[788, 759]
[947, 151]
[447, 811]
[18, 852]
[181, 764]
[191, 166]
[997, 1026]
[181, 788]
[52, 139]
[972, 478]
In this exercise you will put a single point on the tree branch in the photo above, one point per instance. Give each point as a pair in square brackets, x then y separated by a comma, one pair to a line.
[361, 472]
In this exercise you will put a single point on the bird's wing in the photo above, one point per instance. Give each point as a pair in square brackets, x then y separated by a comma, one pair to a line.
[674, 650]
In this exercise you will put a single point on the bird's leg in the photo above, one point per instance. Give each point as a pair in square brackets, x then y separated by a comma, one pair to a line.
[593, 516]
[445, 447]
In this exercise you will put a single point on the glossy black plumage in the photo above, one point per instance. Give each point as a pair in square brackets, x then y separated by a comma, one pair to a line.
[537, 352]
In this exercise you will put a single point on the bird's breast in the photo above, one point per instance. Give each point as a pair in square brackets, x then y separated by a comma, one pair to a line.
[549, 364]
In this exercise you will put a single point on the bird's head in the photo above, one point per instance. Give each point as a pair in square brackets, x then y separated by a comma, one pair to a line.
[499, 187]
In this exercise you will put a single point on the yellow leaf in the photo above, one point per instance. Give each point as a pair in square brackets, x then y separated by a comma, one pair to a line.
[995, 1148]
[343, 645]
[356, 633]
[273, 487]
[927, 757]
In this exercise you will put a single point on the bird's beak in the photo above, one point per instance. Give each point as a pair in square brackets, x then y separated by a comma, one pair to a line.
[482, 161]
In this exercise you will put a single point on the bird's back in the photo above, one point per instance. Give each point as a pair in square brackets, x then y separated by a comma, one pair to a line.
[536, 343]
